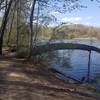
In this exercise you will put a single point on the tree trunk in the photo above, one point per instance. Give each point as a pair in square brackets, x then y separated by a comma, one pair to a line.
[37, 29]
[3, 26]
[9, 34]
[31, 29]
[18, 22]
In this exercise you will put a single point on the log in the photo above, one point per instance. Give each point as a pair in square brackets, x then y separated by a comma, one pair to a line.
[62, 46]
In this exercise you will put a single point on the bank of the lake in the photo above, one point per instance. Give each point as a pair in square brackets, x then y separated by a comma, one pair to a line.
[22, 80]
[75, 63]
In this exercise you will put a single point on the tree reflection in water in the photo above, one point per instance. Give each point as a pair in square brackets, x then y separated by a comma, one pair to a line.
[59, 57]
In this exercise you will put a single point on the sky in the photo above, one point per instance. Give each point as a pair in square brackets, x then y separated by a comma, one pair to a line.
[87, 16]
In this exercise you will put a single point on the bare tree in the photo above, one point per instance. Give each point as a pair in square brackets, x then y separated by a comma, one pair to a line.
[31, 29]
[3, 26]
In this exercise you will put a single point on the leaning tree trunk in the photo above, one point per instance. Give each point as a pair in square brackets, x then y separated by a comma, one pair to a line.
[31, 29]
[4, 23]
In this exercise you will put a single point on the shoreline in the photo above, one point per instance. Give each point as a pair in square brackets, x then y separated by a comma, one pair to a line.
[86, 38]
[21, 79]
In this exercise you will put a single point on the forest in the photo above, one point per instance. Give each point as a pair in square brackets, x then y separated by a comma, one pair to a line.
[69, 31]
[25, 71]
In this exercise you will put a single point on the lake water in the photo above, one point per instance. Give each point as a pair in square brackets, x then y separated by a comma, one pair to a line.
[74, 63]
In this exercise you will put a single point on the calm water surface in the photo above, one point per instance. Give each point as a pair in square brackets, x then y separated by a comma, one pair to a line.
[74, 63]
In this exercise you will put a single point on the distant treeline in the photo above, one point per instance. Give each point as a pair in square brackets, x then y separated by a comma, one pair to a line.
[64, 31]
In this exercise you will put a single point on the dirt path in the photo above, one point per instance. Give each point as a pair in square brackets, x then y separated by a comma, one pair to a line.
[20, 80]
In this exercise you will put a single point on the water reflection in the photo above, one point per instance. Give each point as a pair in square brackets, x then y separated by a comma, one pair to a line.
[77, 63]
[54, 58]
[97, 83]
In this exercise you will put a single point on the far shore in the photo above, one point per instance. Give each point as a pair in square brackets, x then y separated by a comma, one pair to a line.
[87, 38]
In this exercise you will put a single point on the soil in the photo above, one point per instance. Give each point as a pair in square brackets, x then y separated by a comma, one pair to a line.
[21, 80]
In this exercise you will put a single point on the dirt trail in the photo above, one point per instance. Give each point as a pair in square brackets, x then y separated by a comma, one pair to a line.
[20, 80]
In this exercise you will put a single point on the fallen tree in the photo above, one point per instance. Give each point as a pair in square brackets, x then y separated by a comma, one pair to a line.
[62, 46]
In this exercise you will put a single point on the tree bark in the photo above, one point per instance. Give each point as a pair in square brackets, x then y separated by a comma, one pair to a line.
[31, 29]
[11, 25]
[39, 49]
[37, 29]
[4, 23]
[18, 22]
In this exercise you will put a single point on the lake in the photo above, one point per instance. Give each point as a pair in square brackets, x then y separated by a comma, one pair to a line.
[74, 63]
